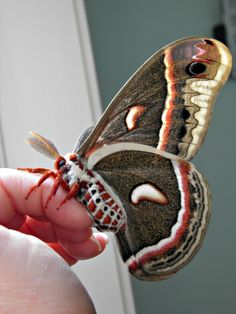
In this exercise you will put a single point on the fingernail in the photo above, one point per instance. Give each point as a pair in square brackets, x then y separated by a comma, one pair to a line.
[104, 236]
[97, 242]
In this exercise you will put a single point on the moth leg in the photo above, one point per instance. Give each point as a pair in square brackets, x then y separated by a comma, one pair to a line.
[45, 176]
[72, 193]
[57, 183]
[46, 173]
[34, 170]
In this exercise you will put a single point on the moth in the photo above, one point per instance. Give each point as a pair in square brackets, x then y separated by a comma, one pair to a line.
[132, 170]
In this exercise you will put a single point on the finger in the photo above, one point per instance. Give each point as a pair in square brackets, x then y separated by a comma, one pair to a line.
[40, 229]
[57, 247]
[47, 232]
[71, 252]
[14, 186]
[69, 235]
[87, 249]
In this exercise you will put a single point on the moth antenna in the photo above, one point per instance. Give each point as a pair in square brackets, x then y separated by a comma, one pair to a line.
[42, 145]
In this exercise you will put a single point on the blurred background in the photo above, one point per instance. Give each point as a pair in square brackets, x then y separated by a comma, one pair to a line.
[53, 81]
[124, 34]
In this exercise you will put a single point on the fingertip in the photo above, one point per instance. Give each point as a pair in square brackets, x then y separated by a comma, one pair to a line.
[87, 249]
[101, 239]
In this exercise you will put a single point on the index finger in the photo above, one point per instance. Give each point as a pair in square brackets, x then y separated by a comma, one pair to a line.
[14, 186]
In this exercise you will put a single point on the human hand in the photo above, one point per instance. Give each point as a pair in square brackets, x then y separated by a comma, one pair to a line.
[34, 279]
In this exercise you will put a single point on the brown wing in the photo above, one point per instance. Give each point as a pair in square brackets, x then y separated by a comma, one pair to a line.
[167, 205]
[168, 102]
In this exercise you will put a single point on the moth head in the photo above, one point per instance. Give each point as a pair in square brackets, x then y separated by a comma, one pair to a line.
[59, 162]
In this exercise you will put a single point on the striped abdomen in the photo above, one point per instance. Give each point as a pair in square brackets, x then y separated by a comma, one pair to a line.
[105, 212]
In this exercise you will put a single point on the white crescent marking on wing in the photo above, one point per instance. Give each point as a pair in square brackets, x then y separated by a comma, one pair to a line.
[148, 192]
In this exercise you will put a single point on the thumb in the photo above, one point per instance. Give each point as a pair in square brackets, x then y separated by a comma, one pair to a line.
[32, 275]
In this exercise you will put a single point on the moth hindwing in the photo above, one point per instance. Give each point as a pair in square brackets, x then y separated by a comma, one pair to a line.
[167, 206]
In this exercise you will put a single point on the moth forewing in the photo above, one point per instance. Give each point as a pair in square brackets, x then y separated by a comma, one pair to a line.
[158, 105]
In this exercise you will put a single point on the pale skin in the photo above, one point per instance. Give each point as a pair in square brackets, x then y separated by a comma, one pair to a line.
[34, 278]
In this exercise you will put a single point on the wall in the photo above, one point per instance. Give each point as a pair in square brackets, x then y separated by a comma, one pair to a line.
[124, 34]
[44, 77]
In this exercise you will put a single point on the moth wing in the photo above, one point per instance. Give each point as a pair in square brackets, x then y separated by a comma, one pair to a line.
[166, 202]
[167, 103]
[82, 138]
